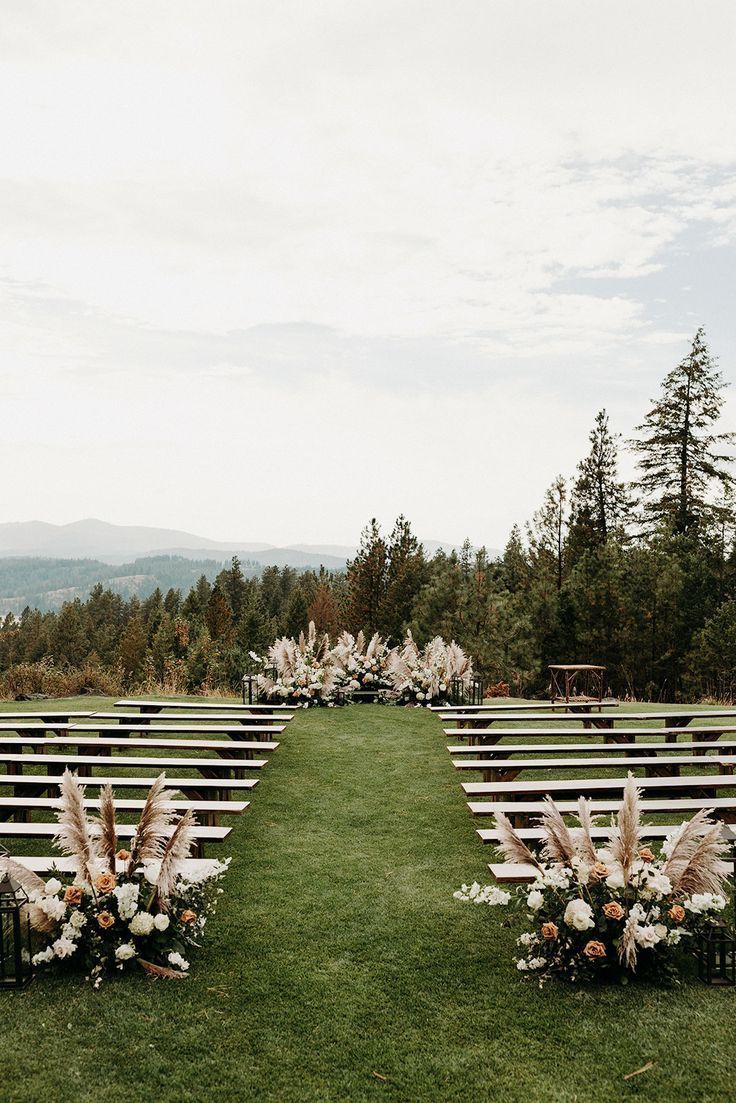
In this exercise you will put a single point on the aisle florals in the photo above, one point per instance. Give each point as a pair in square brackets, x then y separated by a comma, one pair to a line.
[424, 677]
[617, 909]
[303, 670]
[123, 908]
[361, 666]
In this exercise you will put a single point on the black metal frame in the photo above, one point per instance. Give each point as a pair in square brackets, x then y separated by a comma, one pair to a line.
[16, 965]
[717, 954]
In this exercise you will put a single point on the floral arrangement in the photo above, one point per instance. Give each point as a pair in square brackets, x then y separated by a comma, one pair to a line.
[424, 677]
[303, 670]
[359, 666]
[121, 908]
[617, 909]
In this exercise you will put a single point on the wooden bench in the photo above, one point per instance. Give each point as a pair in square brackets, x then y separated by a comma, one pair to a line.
[484, 737]
[199, 788]
[207, 811]
[654, 766]
[35, 829]
[595, 786]
[520, 812]
[672, 719]
[203, 706]
[233, 731]
[535, 706]
[84, 764]
[225, 748]
[142, 719]
[195, 868]
[492, 751]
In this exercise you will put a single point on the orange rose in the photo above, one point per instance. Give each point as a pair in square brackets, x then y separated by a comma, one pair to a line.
[594, 950]
[73, 895]
[188, 916]
[105, 920]
[599, 871]
[677, 912]
[123, 855]
[106, 882]
[550, 931]
[646, 855]
[613, 910]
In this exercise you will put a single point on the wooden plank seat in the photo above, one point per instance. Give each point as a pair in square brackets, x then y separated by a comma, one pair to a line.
[192, 867]
[47, 716]
[36, 829]
[594, 786]
[143, 718]
[84, 764]
[534, 835]
[610, 735]
[536, 706]
[198, 788]
[654, 766]
[225, 748]
[203, 706]
[671, 719]
[520, 812]
[491, 751]
[233, 731]
[207, 811]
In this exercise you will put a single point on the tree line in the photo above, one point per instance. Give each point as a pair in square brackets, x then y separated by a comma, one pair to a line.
[637, 576]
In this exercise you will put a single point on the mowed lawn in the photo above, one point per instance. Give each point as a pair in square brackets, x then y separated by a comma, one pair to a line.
[340, 967]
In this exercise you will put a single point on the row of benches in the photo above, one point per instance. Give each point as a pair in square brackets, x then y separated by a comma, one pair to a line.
[667, 792]
[210, 786]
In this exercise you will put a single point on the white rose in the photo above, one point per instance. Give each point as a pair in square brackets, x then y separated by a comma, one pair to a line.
[660, 883]
[579, 914]
[535, 900]
[125, 952]
[616, 879]
[647, 937]
[141, 923]
[53, 886]
[161, 921]
[64, 947]
[152, 871]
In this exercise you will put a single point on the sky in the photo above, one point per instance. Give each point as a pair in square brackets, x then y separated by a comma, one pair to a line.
[269, 269]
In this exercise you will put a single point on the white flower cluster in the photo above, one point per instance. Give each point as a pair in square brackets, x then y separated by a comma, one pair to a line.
[488, 894]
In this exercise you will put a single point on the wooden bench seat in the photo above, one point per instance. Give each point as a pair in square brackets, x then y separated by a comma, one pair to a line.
[654, 766]
[203, 706]
[534, 834]
[672, 719]
[40, 783]
[84, 764]
[225, 748]
[195, 868]
[35, 829]
[484, 736]
[527, 706]
[584, 786]
[257, 719]
[520, 812]
[233, 731]
[207, 811]
[48, 716]
[493, 751]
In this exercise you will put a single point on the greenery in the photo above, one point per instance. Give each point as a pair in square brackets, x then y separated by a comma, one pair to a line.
[340, 967]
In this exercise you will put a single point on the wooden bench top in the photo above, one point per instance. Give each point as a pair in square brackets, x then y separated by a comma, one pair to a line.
[556, 706]
[195, 868]
[695, 761]
[20, 781]
[141, 718]
[605, 806]
[212, 807]
[235, 748]
[676, 719]
[235, 731]
[581, 786]
[35, 829]
[509, 873]
[491, 835]
[74, 760]
[48, 715]
[223, 706]
[493, 751]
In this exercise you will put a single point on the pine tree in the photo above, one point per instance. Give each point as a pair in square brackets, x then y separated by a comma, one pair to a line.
[599, 501]
[406, 573]
[367, 580]
[547, 532]
[133, 644]
[681, 456]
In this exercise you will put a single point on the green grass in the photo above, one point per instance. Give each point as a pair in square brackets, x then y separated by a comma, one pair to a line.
[339, 966]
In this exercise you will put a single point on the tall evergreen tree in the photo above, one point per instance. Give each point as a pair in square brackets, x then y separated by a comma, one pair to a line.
[406, 573]
[367, 580]
[681, 456]
[599, 501]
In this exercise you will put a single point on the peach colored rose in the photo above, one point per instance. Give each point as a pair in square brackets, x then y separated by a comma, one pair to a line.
[613, 910]
[550, 931]
[599, 871]
[188, 916]
[677, 912]
[105, 920]
[594, 950]
[73, 895]
[123, 855]
[106, 882]
[646, 855]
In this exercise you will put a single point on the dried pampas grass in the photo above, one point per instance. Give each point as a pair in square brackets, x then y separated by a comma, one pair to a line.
[75, 835]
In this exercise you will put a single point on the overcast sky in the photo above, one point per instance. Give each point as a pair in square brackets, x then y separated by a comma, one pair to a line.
[270, 268]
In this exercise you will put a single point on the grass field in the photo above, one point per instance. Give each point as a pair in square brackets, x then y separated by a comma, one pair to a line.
[339, 966]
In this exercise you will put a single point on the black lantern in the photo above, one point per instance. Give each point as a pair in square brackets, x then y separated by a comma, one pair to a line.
[16, 968]
[475, 691]
[250, 688]
[457, 691]
[729, 835]
[717, 954]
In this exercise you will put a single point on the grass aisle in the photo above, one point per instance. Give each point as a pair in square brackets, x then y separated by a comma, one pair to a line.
[340, 968]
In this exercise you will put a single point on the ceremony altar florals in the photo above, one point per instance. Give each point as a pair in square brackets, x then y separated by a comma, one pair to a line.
[615, 909]
[304, 670]
[121, 908]
[360, 666]
[424, 677]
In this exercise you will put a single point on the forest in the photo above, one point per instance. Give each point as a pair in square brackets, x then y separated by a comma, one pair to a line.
[640, 577]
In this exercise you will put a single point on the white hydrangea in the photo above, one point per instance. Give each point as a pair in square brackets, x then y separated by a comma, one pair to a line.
[125, 952]
[557, 877]
[579, 914]
[44, 956]
[658, 884]
[178, 961]
[705, 902]
[127, 898]
[77, 920]
[52, 906]
[141, 923]
[537, 963]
